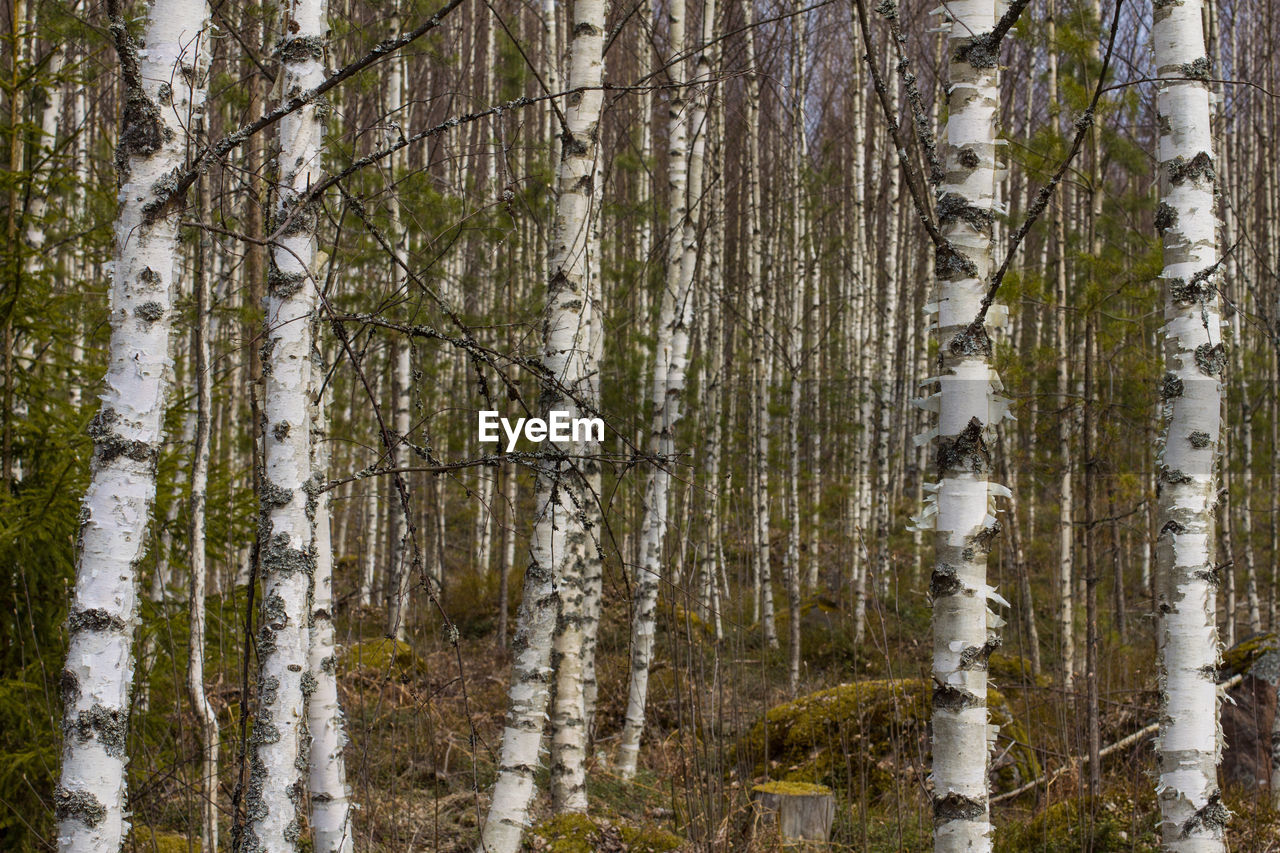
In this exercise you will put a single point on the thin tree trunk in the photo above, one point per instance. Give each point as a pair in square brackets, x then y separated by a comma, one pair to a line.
[401, 373]
[559, 538]
[508, 552]
[199, 571]
[279, 728]
[685, 168]
[327, 779]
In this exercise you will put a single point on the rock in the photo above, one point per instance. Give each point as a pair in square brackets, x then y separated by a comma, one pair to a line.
[383, 657]
[798, 810]
[1251, 707]
[1246, 728]
[876, 731]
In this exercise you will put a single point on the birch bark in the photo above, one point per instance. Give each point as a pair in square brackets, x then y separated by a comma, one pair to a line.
[199, 567]
[327, 777]
[968, 411]
[559, 537]
[288, 498]
[675, 319]
[401, 377]
[162, 98]
[1188, 749]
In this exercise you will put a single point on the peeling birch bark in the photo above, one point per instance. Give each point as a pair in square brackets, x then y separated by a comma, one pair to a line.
[969, 410]
[164, 93]
[1188, 749]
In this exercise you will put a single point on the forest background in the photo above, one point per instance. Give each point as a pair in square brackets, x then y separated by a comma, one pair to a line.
[790, 564]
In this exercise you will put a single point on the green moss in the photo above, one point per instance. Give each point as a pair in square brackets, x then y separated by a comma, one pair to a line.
[384, 657]
[148, 840]
[649, 839]
[835, 735]
[565, 833]
[577, 833]
[872, 733]
[1013, 669]
[1243, 655]
[792, 789]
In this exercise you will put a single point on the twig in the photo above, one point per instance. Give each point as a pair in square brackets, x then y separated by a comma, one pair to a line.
[1083, 124]
[1123, 743]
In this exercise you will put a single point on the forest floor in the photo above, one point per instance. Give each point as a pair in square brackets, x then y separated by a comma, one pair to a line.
[425, 722]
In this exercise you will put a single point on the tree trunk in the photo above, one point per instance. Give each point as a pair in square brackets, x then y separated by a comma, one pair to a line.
[1187, 757]
[327, 779]
[968, 412]
[559, 538]
[287, 531]
[685, 167]
[128, 429]
[399, 580]
[208, 719]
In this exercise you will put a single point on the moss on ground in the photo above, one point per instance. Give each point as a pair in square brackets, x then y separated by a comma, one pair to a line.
[577, 833]
[648, 839]
[383, 656]
[1065, 827]
[144, 839]
[1014, 669]
[872, 732]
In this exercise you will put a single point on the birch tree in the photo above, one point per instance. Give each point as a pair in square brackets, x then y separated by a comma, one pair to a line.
[1188, 751]
[559, 539]
[675, 318]
[398, 583]
[288, 492]
[968, 412]
[209, 740]
[163, 96]
[327, 777]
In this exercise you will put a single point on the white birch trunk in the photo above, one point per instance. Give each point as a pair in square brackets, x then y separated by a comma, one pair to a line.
[760, 343]
[373, 513]
[671, 363]
[1188, 749]
[127, 431]
[327, 779]
[401, 372]
[1065, 529]
[205, 713]
[287, 497]
[964, 629]
[559, 538]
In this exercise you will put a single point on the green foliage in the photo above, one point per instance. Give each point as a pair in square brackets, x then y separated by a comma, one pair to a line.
[29, 745]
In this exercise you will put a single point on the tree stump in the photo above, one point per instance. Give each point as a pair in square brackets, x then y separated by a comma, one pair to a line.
[802, 812]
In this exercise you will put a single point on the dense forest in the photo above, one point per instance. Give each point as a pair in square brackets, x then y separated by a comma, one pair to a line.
[476, 425]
